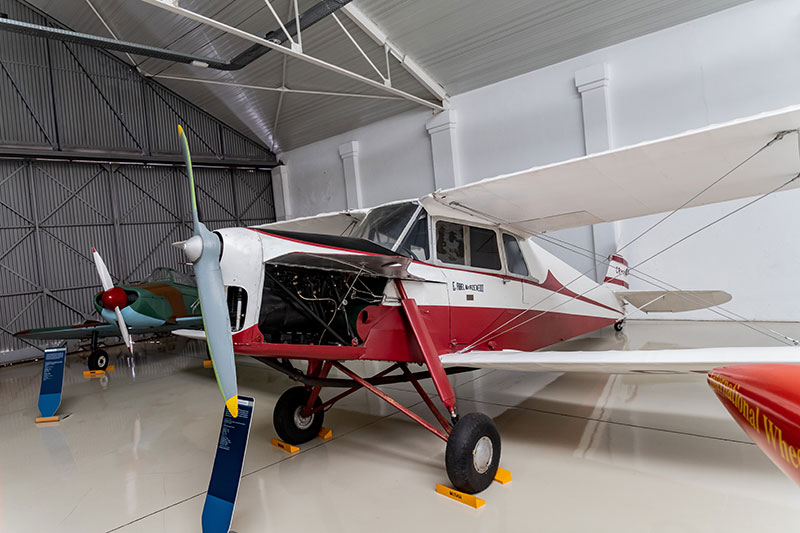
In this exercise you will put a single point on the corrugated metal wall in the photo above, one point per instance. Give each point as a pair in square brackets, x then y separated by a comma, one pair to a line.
[71, 100]
[54, 212]
[74, 122]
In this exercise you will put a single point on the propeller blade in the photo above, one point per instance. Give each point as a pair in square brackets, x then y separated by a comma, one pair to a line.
[123, 329]
[203, 251]
[105, 277]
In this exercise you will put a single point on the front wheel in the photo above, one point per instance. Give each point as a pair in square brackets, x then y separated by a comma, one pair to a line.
[98, 360]
[291, 425]
[473, 453]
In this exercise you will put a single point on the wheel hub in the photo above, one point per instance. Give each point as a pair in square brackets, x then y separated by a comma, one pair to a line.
[101, 360]
[302, 422]
[482, 454]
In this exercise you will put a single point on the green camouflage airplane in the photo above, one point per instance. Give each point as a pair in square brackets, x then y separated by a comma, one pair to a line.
[167, 300]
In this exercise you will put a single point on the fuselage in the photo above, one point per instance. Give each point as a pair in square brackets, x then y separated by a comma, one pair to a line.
[152, 304]
[503, 296]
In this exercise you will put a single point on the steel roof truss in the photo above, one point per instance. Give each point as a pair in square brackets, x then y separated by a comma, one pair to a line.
[167, 5]
[369, 27]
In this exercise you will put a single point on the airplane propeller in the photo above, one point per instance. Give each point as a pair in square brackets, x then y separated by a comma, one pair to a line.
[113, 297]
[203, 251]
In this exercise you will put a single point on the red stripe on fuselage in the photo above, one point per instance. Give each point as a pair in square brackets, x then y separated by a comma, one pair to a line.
[387, 337]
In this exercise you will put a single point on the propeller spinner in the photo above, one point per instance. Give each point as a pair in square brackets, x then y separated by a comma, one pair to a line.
[114, 298]
[203, 251]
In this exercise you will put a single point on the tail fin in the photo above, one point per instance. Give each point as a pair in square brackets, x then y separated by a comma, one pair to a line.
[617, 273]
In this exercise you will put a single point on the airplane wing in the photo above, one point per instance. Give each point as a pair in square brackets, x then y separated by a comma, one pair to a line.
[672, 301]
[79, 331]
[623, 361]
[190, 321]
[103, 329]
[643, 179]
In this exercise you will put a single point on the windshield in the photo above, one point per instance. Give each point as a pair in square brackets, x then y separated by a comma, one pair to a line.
[164, 274]
[384, 225]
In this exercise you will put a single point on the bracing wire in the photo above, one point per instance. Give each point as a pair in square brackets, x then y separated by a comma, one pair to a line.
[494, 333]
[661, 284]
[778, 137]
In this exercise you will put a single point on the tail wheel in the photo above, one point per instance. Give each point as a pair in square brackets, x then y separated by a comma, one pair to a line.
[473, 453]
[98, 360]
[290, 424]
[619, 325]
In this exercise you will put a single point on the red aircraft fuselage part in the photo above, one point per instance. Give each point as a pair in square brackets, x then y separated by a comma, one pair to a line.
[765, 401]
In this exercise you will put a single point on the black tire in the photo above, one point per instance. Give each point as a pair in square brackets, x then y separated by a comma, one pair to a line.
[289, 423]
[98, 360]
[619, 325]
[473, 453]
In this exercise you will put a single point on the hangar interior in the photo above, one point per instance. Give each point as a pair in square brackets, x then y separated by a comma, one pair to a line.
[374, 102]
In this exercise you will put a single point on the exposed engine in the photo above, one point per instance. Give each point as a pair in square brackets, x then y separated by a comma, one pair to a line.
[308, 306]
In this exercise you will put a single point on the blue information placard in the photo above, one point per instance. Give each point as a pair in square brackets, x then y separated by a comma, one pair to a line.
[227, 471]
[52, 381]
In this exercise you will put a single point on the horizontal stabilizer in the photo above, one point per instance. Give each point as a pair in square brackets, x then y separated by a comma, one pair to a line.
[623, 361]
[673, 301]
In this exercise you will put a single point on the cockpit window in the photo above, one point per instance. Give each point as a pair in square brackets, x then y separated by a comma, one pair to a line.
[384, 225]
[467, 245]
[514, 258]
[450, 243]
[416, 242]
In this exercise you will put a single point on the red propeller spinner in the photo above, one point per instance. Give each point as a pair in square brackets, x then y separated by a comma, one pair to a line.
[114, 297]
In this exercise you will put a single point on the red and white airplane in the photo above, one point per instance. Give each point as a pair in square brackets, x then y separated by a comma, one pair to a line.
[453, 281]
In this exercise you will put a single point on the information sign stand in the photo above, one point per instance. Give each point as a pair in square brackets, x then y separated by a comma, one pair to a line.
[227, 470]
[52, 383]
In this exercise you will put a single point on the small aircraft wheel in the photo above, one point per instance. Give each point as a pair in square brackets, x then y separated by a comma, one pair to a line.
[619, 325]
[98, 360]
[291, 425]
[473, 453]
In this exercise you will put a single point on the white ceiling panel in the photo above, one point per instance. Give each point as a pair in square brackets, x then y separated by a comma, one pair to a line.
[462, 44]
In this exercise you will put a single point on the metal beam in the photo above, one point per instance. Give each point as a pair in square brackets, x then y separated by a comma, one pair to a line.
[281, 89]
[369, 27]
[111, 32]
[166, 5]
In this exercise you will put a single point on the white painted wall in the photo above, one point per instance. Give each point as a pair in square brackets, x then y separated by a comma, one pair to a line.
[394, 159]
[732, 64]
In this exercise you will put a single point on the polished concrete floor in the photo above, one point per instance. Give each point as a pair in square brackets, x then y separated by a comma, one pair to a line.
[587, 452]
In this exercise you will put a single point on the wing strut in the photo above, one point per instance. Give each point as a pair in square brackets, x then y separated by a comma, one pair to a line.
[443, 387]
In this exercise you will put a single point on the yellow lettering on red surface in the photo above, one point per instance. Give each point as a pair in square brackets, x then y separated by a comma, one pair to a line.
[793, 456]
[768, 430]
[731, 392]
[754, 417]
[784, 448]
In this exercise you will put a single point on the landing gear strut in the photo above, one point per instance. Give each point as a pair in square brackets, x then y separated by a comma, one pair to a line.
[98, 360]
[473, 442]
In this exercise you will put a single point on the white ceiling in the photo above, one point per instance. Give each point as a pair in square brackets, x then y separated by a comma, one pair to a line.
[462, 44]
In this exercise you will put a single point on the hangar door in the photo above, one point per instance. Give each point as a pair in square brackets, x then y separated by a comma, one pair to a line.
[54, 212]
